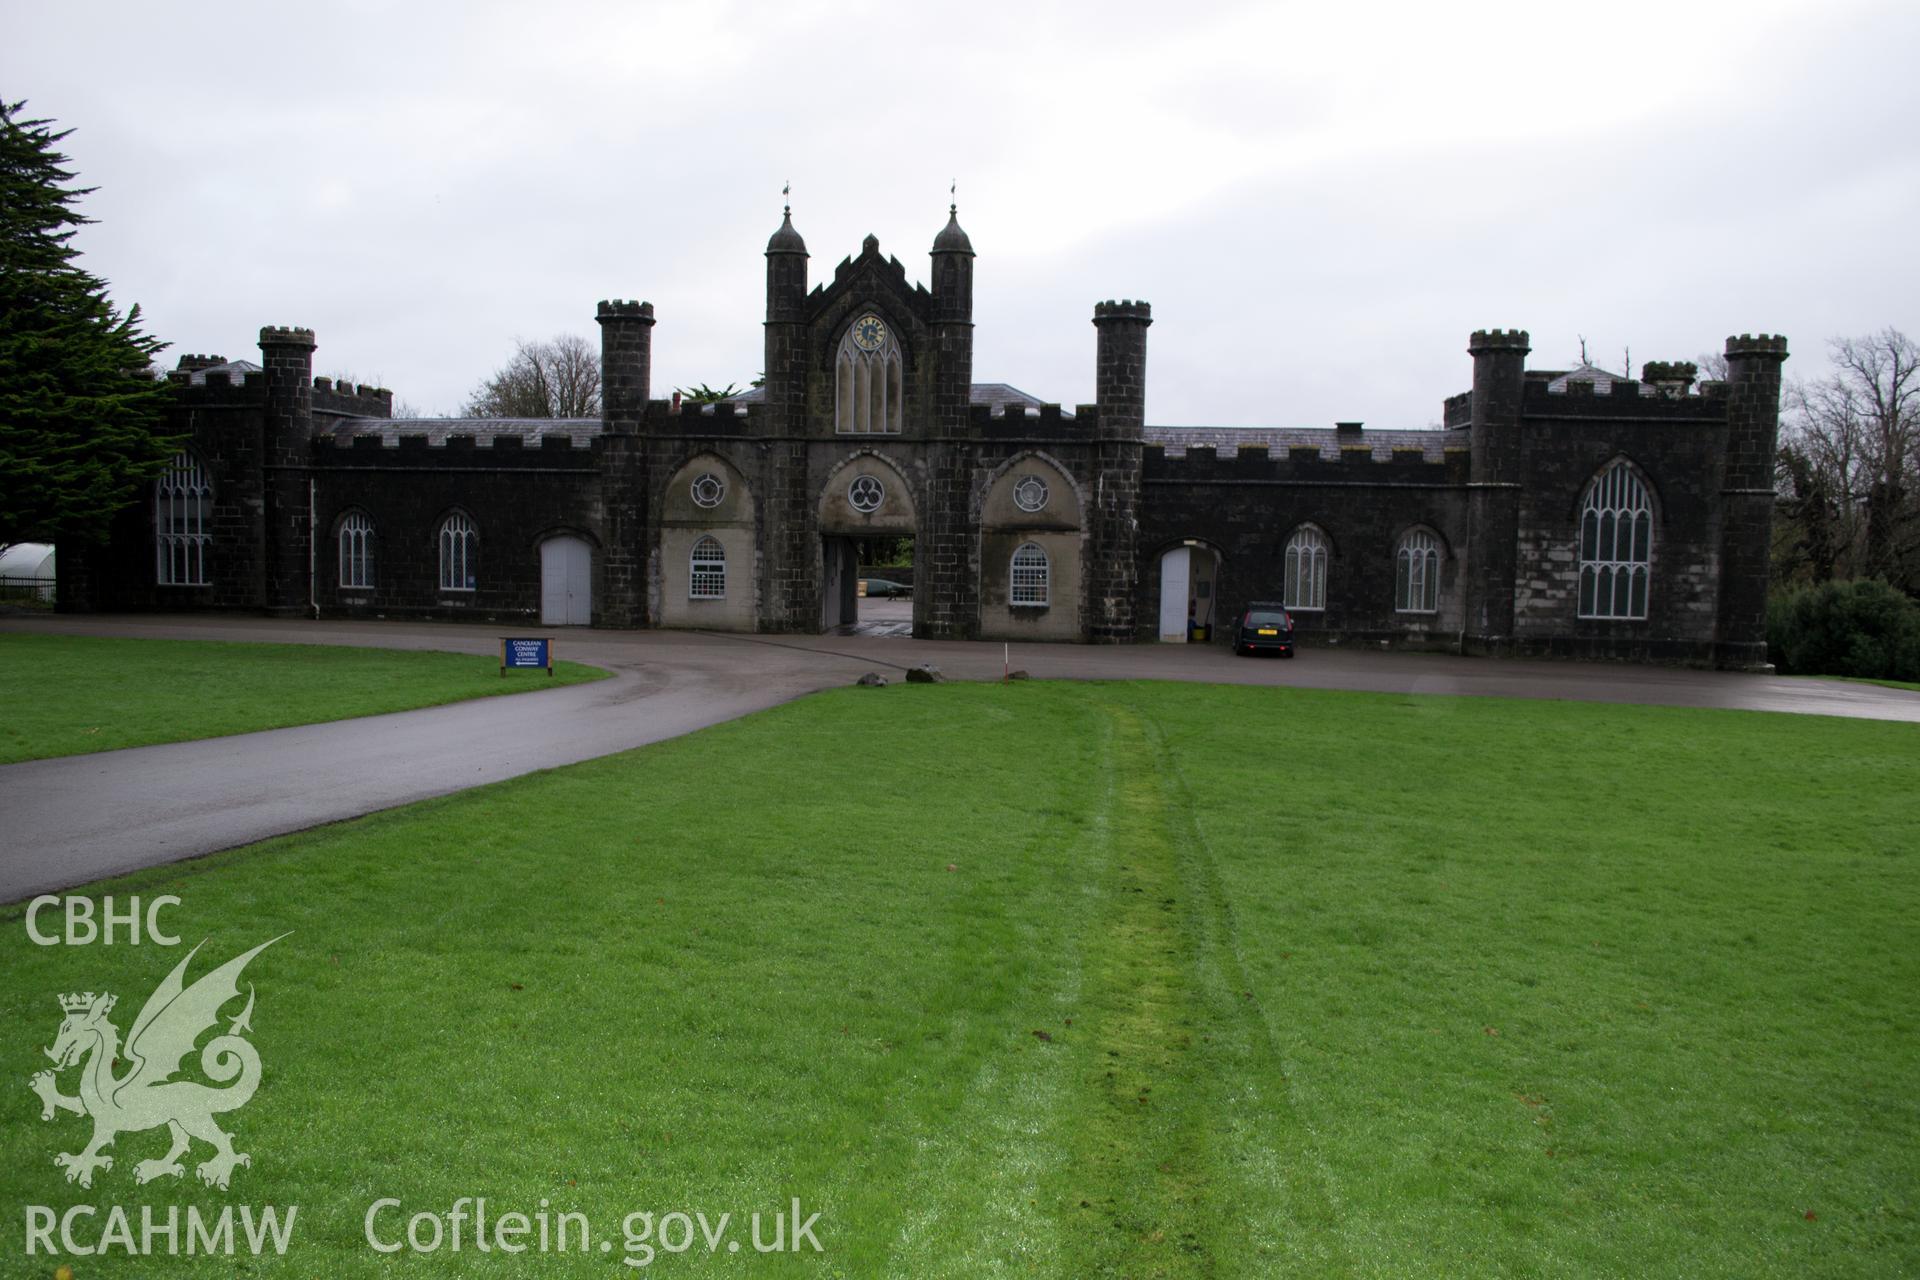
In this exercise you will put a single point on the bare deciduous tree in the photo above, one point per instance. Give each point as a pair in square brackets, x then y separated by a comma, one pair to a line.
[1849, 464]
[557, 379]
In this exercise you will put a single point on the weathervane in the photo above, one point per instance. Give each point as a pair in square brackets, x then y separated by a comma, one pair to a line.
[953, 194]
[786, 192]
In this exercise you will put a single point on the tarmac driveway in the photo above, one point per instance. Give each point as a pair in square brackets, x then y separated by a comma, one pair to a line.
[76, 819]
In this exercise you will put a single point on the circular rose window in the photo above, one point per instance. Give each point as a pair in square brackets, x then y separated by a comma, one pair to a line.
[866, 494]
[708, 490]
[1030, 494]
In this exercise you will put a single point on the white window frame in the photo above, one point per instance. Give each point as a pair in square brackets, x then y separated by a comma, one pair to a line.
[1030, 493]
[1029, 577]
[1616, 546]
[868, 387]
[182, 502]
[1306, 570]
[1416, 573]
[459, 553]
[707, 569]
[356, 552]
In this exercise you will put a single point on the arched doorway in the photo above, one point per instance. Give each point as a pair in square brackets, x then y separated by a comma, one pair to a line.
[1189, 592]
[566, 583]
[866, 507]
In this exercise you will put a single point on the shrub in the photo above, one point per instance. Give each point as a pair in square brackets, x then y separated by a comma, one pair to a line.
[1863, 628]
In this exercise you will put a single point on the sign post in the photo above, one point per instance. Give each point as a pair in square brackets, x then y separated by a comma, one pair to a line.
[526, 651]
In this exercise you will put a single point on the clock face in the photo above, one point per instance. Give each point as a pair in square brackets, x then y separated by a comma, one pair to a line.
[869, 332]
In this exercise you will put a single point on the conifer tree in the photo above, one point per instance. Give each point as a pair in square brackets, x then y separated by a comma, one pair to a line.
[82, 416]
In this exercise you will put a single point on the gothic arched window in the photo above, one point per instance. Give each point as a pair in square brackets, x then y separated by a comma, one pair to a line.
[867, 396]
[182, 501]
[356, 550]
[1416, 573]
[1616, 545]
[459, 553]
[1306, 569]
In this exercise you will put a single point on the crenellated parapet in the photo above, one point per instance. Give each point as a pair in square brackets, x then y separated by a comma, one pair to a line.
[351, 401]
[217, 388]
[1309, 463]
[1543, 398]
[1762, 346]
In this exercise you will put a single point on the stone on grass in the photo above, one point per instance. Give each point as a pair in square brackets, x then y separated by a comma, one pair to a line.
[926, 673]
[872, 680]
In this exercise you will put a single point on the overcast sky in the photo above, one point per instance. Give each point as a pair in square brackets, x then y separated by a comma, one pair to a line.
[1320, 201]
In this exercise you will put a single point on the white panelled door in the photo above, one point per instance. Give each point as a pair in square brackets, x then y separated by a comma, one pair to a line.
[1174, 570]
[566, 583]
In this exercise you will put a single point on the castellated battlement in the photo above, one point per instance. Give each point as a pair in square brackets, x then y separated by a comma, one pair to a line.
[217, 387]
[620, 308]
[1124, 309]
[348, 400]
[277, 335]
[439, 449]
[1017, 420]
[1309, 462]
[1512, 340]
[1620, 398]
[728, 417]
[1763, 345]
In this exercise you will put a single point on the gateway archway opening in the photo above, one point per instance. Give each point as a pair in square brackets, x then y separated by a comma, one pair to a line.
[867, 585]
[1189, 591]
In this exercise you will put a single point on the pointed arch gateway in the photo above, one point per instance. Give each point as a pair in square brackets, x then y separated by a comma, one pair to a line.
[866, 504]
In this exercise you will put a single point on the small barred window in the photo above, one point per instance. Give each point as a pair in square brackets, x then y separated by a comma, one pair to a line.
[707, 570]
[1032, 576]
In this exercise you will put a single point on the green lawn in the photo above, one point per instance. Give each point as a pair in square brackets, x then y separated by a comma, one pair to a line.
[1084, 980]
[64, 695]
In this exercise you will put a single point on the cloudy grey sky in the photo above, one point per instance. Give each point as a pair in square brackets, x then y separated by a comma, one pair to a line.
[1320, 201]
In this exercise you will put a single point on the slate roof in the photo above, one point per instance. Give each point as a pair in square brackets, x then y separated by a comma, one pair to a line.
[1602, 382]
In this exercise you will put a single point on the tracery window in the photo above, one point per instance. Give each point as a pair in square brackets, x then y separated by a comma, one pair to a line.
[1616, 545]
[356, 550]
[1306, 569]
[459, 553]
[182, 501]
[1416, 573]
[867, 396]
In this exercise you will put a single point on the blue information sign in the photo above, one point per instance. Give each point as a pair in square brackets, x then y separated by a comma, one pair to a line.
[526, 651]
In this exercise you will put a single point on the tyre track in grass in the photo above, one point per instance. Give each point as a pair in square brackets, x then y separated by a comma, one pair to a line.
[1141, 1156]
[1286, 1200]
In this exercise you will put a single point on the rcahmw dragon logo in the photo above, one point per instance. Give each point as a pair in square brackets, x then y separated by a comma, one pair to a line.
[146, 1096]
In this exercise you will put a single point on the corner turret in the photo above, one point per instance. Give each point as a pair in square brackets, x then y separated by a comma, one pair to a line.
[786, 270]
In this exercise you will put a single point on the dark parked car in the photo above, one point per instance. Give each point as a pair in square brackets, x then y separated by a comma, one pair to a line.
[1265, 627]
